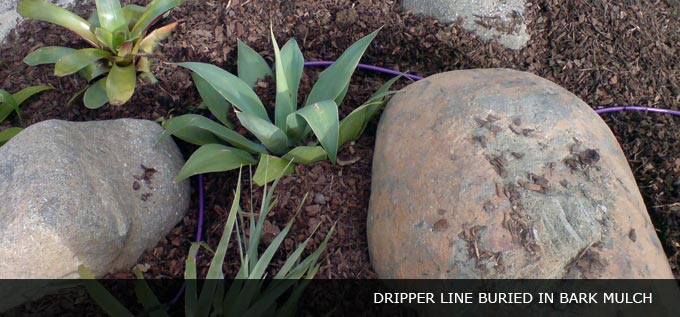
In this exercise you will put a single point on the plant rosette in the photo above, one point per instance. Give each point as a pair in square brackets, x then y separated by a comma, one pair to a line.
[120, 46]
[279, 141]
[10, 103]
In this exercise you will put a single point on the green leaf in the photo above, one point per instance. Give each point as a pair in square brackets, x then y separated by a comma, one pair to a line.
[120, 84]
[153, 11]
[132, 14]
[214, 158]
[95, 96]
[47, 55]
[105, 37]
[306, 154]
[146, 296]
[94, 70]
[191, 292]
[100, 295]
[383, 90]
[355, 123]
[7, 134]
[77, 60]
[48, 12]
[110, 14]
[334, 80]
[150, 42]
[270, 168]
[217, 105]
[22, 95]
[293, 64]
[270, 135]
[188, 127]
[7, 105]
[230, 87]
[323, 119]
[284, 103]
[251, 66]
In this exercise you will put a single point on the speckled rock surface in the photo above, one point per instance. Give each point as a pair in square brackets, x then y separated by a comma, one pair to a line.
[93, 193]
[495, 173]
[9, 15]
[498, 20]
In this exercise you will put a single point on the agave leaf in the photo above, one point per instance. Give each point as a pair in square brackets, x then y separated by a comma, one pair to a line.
[22, 95]
[47, 55]
[355, 123]
[251, 66]
[132, 13]
[95, 95]
[187, 127]
[214, 158]
[110, 14]
[334, 79]
[78, 60]
[7, 134]
[232, 88]
[293, 64]
[100, 295]
[323, 119]
[153, 11]
[94, 70]
[217, 105]
[120, 84]
[150, 42]
[284, 103]
[270, 135]
[146, 296]
[49, 12]
[384, 89]
[306, 154]
[270, 168]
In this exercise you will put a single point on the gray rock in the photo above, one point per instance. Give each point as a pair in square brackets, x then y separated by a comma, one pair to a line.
[500, 20]
[9, 16]
[93, 193]
[495, 173]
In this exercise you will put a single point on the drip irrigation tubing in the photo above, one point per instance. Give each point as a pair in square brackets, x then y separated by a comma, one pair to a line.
[201, 194]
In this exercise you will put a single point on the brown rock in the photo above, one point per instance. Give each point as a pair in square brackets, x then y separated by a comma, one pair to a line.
[429, 158]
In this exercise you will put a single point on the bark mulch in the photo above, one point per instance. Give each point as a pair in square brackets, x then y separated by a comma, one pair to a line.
[606, 52]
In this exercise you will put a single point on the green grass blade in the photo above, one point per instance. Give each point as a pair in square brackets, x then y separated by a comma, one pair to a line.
[145, 296]
[191, 291]
[334, 80]
[251, 66]
[230, 87]
[293, 64]
[190, 126]
[217, 105]
[95, 96]
[101, 296]
[306, 154]
[273, 138]
[110, 14]
[284, 103]
[214, 158]
[262, 264]
[120, 84]
[7, 134]
[22, 95]
[47, 55]
[77, 60]
[270, 168]
[323, 119]
[48, 12]
[153, 11]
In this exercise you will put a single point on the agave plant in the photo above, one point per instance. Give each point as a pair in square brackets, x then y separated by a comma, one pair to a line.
[281, 140]
[10, 103]
[251, 293]
[120, 46]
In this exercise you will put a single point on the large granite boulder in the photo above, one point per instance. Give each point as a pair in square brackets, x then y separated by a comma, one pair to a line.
[495, 173]
[502, 21]
[92, 193]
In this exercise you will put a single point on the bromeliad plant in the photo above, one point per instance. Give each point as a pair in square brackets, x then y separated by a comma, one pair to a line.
[281, 139]
[121, 46]
[251, 293]
[10, 103]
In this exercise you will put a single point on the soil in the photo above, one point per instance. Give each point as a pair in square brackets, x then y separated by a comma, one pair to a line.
[606, 53]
